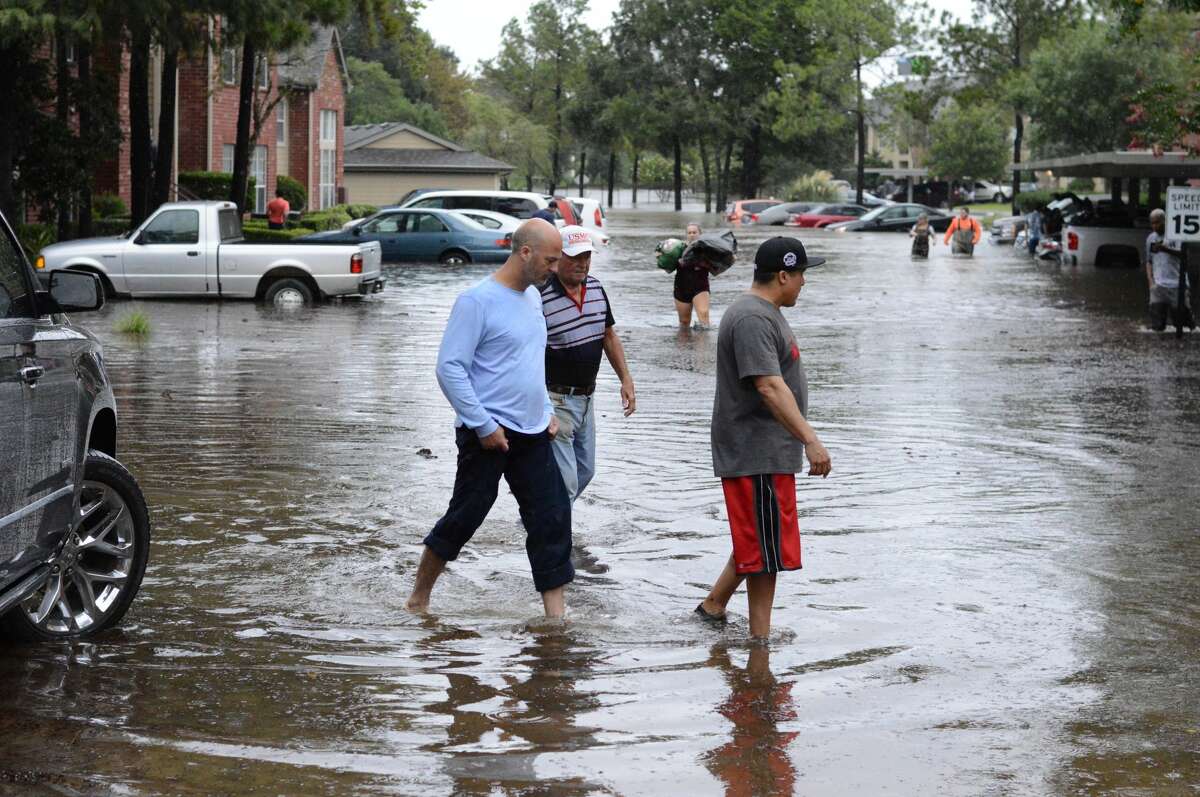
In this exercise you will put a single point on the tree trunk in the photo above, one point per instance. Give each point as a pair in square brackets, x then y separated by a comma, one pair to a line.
[166, 128]
[1018, 135]
[678, 173]
[636, 157]
[554, 155]
[752, 162]
[860, 112]
[529, 181]
[723, 171]
[241, 148]
[83, 59]
[139, 125]
[62, 113]
[582, 169]
[708, 194]
[612, 175]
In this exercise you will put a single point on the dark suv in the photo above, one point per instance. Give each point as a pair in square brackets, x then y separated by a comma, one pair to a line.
[74, 530]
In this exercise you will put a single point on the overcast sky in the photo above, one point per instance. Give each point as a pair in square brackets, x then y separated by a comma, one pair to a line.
[472, 27]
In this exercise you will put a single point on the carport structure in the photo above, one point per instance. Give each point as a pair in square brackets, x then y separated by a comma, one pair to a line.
[911, 175]
[1125, 171]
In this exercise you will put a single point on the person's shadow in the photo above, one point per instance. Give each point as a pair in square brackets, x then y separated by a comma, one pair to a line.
[755, 760]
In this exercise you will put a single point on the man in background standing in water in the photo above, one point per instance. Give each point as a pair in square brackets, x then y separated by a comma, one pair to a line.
[692, 288]
[491, 366]
[580, 330]
[965, 231]
[760, 436]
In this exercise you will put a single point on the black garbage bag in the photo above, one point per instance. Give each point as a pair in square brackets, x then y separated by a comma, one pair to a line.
[712, 251]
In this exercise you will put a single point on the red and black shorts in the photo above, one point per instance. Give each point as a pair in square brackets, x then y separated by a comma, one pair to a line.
[762, 518]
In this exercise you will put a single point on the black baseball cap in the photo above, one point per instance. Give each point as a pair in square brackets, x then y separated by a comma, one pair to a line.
[783, 254]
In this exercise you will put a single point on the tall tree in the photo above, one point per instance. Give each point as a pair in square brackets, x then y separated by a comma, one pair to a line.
[968, 140]
[995, 47]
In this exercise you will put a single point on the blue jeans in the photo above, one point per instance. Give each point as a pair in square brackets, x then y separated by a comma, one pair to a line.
[575, 444]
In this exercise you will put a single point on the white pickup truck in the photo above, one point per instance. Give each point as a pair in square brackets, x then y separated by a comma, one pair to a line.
[196, 249]
[1091, 245]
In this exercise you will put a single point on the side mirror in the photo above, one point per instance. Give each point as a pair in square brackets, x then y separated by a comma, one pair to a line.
[140, 238]
[72, 292]
[356, 231]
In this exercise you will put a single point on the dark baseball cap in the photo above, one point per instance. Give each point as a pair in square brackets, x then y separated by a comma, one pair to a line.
[783, 254]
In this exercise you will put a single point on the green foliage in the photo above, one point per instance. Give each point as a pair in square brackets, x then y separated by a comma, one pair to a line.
[134, 322]
[113, 226]
[1029, 200]
[292, 191]
[377, 97]
[968, 141]
[213, 185]
[1081, 185]
[359, 211]
[331, 219]
[500, 132]
[107, 206]
[258, 232]
[36, 237]
[817, 186]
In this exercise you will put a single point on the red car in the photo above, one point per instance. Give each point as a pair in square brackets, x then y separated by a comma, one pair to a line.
[823, 215]
[741, 210]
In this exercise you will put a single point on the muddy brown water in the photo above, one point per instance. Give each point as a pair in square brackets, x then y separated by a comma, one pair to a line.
[999, 593]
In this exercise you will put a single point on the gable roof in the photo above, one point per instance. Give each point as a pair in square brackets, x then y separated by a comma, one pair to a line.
[421, 160]
[303, 67]
[358, 136]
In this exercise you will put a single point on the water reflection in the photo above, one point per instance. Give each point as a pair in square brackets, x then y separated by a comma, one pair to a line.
[755, 760]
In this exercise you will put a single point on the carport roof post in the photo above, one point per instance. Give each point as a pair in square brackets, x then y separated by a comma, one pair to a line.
[1120, 165]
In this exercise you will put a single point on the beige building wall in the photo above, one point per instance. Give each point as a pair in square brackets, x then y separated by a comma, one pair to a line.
[403, 140]
[375, 188]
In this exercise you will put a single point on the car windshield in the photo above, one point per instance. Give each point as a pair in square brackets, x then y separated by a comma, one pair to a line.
[874, 214]
[757, 207]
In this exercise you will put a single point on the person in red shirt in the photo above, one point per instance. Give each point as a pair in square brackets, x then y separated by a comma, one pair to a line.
[277, 211]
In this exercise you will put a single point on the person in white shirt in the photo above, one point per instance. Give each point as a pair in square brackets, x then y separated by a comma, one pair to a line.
[1163, 260]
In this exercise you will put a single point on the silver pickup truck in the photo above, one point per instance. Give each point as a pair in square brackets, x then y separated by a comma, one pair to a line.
[196, 249]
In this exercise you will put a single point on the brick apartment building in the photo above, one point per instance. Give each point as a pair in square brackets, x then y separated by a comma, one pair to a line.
[301, 137]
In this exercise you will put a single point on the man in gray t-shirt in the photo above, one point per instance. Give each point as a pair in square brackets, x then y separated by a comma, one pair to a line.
[1163, 261]
[760, 436]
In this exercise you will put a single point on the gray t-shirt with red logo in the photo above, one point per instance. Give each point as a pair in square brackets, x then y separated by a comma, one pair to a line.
[755, 340]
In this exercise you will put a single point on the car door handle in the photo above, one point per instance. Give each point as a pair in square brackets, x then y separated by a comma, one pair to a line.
[30, 374]
[193, 254]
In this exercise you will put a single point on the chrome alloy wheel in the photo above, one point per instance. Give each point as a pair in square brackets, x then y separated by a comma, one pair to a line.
[91, 570]
[289, 297]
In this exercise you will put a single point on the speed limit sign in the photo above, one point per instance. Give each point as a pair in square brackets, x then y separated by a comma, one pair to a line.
[1183, 213]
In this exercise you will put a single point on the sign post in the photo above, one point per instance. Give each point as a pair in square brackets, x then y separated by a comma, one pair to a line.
[1183, 224]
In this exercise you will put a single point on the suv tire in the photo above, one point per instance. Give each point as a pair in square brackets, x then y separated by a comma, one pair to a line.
[114, 519]
[288, 292]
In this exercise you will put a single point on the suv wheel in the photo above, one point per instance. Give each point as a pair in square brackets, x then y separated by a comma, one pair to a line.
[98, 571]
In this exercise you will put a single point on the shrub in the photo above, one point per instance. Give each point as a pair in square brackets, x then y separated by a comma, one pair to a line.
[360, 211]
[112, 226]
[260, 233]
[36, 237]
[815, 187]
[1032, 199]
[214, 185]
[331, 219]
[1081, 185]
[135, 322]
[292, 191]
[107, 206]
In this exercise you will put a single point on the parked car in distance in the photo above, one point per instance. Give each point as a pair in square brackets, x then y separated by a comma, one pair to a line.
[424, 235]
[779, 214]
[187, 249]
[519, 204]
[894, 218]
[824, 215]
[592, 217]
[986, 191]
[491, 220]
[1006, 229]
[741, 210]
[74, 529]
[934, 193]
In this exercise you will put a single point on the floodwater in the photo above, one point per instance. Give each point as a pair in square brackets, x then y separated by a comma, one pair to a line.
[999, 594]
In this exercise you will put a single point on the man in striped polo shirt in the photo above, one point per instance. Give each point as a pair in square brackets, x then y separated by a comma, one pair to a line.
[579, 330]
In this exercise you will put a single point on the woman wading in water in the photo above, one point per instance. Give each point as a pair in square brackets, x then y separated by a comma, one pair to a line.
[922, 235]
[691, 288]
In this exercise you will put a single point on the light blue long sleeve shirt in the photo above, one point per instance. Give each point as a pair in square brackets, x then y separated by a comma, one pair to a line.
[492, 362]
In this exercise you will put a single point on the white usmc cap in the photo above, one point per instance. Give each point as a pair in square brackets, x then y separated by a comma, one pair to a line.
[576, 240]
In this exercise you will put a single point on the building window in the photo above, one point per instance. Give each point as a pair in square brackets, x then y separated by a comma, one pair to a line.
[281, 112]
[258, 170]
[227, 158]
[229, 64]
[262, 72]
[70, 48]
[328, 179]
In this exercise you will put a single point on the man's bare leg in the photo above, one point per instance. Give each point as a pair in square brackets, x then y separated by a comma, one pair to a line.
[428, 570]
[761, 591]
[722, 590]
[685, 313]
[555, 603]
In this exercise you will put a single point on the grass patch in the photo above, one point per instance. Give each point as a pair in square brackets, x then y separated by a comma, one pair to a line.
[135, 322]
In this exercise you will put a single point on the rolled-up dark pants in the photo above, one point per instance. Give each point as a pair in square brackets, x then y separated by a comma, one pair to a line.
[533, 476]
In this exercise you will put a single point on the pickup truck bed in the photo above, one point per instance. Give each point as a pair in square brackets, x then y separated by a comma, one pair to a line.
[1088, 245]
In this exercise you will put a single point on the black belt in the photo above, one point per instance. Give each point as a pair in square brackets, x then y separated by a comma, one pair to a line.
[567, 390]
